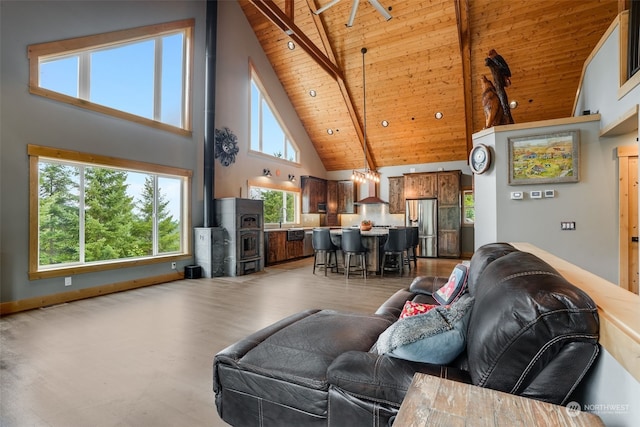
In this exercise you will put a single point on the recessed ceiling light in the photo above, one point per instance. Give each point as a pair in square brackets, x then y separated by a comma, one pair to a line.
[291, 45]
[385, 123]
[312, 93]
[513, 104]
[439, 115]
[330, 131]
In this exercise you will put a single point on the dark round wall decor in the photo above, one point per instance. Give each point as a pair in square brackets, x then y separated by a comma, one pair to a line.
[226, 146]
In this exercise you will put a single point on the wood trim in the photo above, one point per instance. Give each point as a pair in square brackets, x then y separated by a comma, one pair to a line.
[626, 123]
[36, 152]
[618, 309]
[623, 48]
[623, 210]
[37, 51]
[49, 300]
[105, 39]
[78, 156]
[540, 124]
[464, 38]
[346, 96]
[285, 186]
[269, 9]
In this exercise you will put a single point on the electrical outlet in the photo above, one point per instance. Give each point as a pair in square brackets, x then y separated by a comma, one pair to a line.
[173, 266]
[67, 281]
[568, 225]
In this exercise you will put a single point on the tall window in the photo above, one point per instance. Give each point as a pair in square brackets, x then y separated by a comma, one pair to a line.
[92, 213]
[141, 74]
[468, 207]
[268, 135]
[280, 206]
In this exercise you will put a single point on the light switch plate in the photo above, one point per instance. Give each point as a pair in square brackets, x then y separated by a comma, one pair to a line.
[535, 194]
[517, 195]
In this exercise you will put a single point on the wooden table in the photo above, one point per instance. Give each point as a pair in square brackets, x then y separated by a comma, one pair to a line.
[434, 401]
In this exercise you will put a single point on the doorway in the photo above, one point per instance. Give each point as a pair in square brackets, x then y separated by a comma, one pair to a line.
[628, 190]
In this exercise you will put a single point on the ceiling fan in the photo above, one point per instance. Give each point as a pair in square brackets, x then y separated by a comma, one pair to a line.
[354, 7]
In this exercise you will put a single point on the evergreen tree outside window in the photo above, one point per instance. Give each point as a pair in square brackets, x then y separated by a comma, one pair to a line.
[89, 214]
[469, 209]
[280, 206]
[268, 135]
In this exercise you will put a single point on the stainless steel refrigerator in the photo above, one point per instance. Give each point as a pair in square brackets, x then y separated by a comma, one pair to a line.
[423, 214]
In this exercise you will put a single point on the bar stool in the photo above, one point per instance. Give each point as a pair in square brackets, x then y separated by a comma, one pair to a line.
[323, 246]
[395, 246]
[412, 246]
[352, 245]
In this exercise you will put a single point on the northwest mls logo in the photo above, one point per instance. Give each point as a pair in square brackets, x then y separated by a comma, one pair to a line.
[573, 409]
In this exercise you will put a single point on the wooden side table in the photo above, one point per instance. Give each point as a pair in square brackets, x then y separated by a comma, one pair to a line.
[433, 401]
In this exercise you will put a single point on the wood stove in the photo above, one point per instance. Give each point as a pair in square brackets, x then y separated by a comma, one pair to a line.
[242, 220]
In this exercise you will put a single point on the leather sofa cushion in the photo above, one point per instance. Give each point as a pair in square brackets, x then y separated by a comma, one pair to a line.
[302, 352]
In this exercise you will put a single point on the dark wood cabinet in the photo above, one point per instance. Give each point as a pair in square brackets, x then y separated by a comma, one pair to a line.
[420, 185]
[314, 194]
[294, 249]
[346, 197]
[332, 203]
[449, 214]
[276, 246]
[396, 195]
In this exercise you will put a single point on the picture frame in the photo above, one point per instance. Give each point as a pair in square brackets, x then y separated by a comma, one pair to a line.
[543, 159]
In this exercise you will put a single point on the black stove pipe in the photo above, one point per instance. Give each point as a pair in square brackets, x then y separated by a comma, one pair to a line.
[209, 113]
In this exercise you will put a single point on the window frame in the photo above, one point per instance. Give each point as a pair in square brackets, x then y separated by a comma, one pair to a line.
[254, 78]
[471, 191]
[36, 153]
[275, 187]
[43, 51]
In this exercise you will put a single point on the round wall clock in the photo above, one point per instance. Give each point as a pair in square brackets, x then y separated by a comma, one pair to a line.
[480, 159]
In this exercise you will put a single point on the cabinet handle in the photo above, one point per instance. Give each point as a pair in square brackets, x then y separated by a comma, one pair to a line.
[634, 239]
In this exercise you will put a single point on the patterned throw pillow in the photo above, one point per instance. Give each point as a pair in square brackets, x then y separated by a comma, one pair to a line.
[455, 287]
[414, 308]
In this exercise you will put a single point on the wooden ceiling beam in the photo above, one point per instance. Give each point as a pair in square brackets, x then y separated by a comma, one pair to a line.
[348, 99]
[269, 9]
[464, 38]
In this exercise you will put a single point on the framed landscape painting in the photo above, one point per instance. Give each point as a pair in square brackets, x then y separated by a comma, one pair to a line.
[542, 159]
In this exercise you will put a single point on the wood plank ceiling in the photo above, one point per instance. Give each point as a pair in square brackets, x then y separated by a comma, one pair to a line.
[428, 58]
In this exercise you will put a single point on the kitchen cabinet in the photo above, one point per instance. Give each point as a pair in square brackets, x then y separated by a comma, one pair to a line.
[276, 246]
[346, 197]
[294, 249]
[332, 203]
[421, 185]
[396, 195]
[449, 214]
[314, 194]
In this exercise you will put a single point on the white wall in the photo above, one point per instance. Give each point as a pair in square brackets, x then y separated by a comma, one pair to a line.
[29, 119]
[592, 202]
[237, 45]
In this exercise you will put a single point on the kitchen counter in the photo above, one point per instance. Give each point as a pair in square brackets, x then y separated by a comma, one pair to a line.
[373, 240]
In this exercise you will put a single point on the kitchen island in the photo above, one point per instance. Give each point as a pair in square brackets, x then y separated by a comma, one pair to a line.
[373, 240]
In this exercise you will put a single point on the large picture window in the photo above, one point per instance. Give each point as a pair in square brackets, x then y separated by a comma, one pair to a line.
[268, 135]
[88, 214]
[280, 206]
[142, 74]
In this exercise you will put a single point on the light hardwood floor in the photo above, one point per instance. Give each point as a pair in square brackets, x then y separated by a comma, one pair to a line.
[144, 357]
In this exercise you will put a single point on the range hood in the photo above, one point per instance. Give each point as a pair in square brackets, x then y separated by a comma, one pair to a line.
[372, 199]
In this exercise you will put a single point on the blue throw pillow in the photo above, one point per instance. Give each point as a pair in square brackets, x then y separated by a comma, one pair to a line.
[438, 336]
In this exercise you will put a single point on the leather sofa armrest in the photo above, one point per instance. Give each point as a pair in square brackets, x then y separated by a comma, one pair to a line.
[427, 285]
[232, 354]
[382, 378]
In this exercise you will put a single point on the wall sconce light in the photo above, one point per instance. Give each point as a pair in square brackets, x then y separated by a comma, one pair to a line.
[292, 178]
[266, 172]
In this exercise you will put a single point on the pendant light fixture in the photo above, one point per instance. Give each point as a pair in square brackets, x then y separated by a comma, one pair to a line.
[366, 174]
